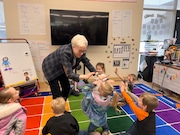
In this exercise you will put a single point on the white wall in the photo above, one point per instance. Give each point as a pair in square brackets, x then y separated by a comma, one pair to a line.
[95, 53]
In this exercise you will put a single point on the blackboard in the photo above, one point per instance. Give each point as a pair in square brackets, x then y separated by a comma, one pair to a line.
[17, 67]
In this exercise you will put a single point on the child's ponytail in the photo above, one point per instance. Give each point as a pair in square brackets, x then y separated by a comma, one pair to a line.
[115, 100]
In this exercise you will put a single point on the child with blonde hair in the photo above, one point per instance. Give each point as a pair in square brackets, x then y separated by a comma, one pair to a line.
[12, 114]
[96, 103]
[62, 122]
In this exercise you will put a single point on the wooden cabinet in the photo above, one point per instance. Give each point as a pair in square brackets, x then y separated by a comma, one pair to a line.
[167, 76]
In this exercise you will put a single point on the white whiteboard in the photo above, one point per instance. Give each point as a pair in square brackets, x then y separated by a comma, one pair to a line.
[16, 60]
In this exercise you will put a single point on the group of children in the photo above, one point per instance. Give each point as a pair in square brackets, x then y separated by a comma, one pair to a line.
[98, 97]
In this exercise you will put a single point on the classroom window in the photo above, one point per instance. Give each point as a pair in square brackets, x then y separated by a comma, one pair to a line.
[159, 4]
[157, 25]
[158, 20]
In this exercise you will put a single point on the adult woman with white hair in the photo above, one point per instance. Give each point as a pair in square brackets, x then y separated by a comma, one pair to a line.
[58, 66]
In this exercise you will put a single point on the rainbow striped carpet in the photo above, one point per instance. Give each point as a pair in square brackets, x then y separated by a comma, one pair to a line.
[167, 113]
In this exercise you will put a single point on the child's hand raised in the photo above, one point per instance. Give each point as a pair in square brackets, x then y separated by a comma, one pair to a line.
[116, 70]
[123, 86]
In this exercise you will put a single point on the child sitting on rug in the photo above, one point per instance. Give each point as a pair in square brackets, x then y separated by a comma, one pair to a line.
[130, 79]
[146, 122]
[62, 123]
[96, 102]
[57, 125]
[100, 68]
[12, 114]
[100, 72]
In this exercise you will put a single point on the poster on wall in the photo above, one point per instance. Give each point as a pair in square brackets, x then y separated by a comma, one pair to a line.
[32, 19]
[125, 63]
[121, 23]
[116, 63]
[121, 51]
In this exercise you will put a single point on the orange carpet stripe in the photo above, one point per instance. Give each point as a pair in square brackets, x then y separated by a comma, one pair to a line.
[67, 107]
[158, 94]
[47, 99]
[178, 106]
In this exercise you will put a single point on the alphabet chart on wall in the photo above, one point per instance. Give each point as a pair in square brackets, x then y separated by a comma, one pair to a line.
[121, 51]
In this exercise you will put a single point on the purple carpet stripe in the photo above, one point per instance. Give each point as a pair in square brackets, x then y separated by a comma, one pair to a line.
[177, 126]
[170, 116]
[162, 106]
[137, 91]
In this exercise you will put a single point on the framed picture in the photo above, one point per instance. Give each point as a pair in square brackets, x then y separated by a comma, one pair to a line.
[116, 63]
[125, 63]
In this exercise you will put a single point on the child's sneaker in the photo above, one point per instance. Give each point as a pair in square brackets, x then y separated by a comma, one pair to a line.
[74, 92]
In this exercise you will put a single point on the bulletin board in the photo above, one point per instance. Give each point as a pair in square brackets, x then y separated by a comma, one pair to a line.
[17, 67]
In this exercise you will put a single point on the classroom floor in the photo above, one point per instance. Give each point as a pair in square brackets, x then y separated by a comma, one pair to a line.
[39, 111]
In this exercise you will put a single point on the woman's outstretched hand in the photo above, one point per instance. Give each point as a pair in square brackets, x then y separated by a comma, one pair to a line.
[87, 76]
